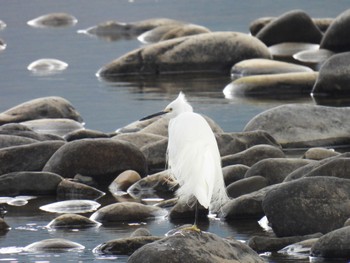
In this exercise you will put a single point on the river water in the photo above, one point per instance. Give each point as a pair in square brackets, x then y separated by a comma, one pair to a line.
[107, 106]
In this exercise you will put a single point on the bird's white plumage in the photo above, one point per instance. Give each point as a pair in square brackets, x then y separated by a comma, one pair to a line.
[193, 156]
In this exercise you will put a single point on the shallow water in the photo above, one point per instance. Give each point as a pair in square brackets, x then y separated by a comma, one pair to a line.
[107, 106]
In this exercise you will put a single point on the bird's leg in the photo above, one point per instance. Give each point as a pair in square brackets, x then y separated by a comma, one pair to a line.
[194, 226]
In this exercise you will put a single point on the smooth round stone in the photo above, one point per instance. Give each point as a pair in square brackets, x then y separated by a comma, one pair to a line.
[71, 206]
[54, 245]
[124, 181]
[68, 189]
[53, 20]
[316, 56]
[13, 140]
[288, 49]
[47, 66]
[85, 134]
[141, 232]
[72, 221]
[233, 173]
[319, 153]
[301, 248]
[58, 127]
[4, 227]
[246, 186]
[259, 66]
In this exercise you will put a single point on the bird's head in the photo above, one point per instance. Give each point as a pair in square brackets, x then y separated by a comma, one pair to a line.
[176, 107]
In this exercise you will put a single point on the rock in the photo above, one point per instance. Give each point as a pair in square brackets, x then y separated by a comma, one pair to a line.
[47, 66]
[301, 248]
[246, 186]
[191, 246]
[233, 173]
[124, 181]
[59, 127]
[253, 155]
[319, 153]
[336, 37]
[4, 227]
[13, 140]
[315, 204]
[127, 211]
[333, 78]
[282, 85]
[264, 244]
[141, 232]
[85, 134]
[235, 142]
[333, 245]
[293, 26]
[287, 50]
[29, 183]
[188, 54]
[182, 210]
[54, 245]
[46, 107]
[139, 139]
[259, 66]
[30, 157]
[155, 154]
[114, 30]
[275, 170]
[53, 20]
[296, 125]
[72, 221]
[68, 189]
[314, 57]
[71, 206]
[102, 159]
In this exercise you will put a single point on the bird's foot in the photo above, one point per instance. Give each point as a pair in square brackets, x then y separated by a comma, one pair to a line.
[191, 228]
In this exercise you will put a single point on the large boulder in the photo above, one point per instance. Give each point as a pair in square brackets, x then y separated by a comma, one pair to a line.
[295, 125]
[102, 159]
[334, 76]
[315, 204]
[191, 246]
[46, 107]
[215, 52]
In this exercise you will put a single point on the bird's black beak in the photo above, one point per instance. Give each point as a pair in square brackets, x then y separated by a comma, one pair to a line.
[153, 115]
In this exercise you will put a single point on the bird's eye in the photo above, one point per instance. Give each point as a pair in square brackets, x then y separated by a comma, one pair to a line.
[170, 109]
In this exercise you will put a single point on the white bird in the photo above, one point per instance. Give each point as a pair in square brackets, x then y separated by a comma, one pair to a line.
[193, 157]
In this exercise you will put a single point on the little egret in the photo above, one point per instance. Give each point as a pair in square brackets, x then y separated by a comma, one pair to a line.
[193, 157]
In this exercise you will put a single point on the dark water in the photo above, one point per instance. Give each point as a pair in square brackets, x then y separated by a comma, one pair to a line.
[107, 106]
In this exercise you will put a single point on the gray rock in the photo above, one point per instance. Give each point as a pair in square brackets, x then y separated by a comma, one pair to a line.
[333, 78]
[246, 186]
[31, 157]
[85, 134]
[333, 245]
[319, 153]
[233, 173]
[53, 20]
[140, 139]
[287, 50]
[253, 155]
[72, 221]
[293, 26]
[54, 245]
[141, 232]
[336, 37]
[295, 125]
[127, 211]
[282, 85]
[191, 246]
[13, 140]
[188, 54]
[264, 243]
[275, 170]
[155, 154]
[314, 57]
[182, 210]
[46, 107]
[4, 227]
[102, 159]
[68, 189]
[301, 248]
[124, 181]
[35, 183]
[315, 204]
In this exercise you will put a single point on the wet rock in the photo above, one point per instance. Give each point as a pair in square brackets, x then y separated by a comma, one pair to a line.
[246, 186]
[13, 140]
[4, 227]
[114, 30]
[124, 246]
[315, 204]
[68, 189]
[54, 245]
[263, 243]
[333, 245]
[59, 127]
[141, 232]
[231, 143]
[183, 210]
[127, 211]
[46, 107]
[313, 58]
[293, 26]
[233, 173]
[297, 125]
[333, 79]
[259, 66]
[124, 181]
[53, 20]
[36, 183]
[47, 66]
[85, 134]
[139, 139]
[253, 155]
[301, 248]
[72, 221]
[188, 54]
[319, 153]
[71, 206]
[336, 37]
[191, 246]
[155, 154]
[287, 50]
[31, 157]
[275, 170]
[102, 159]
[282, 85]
